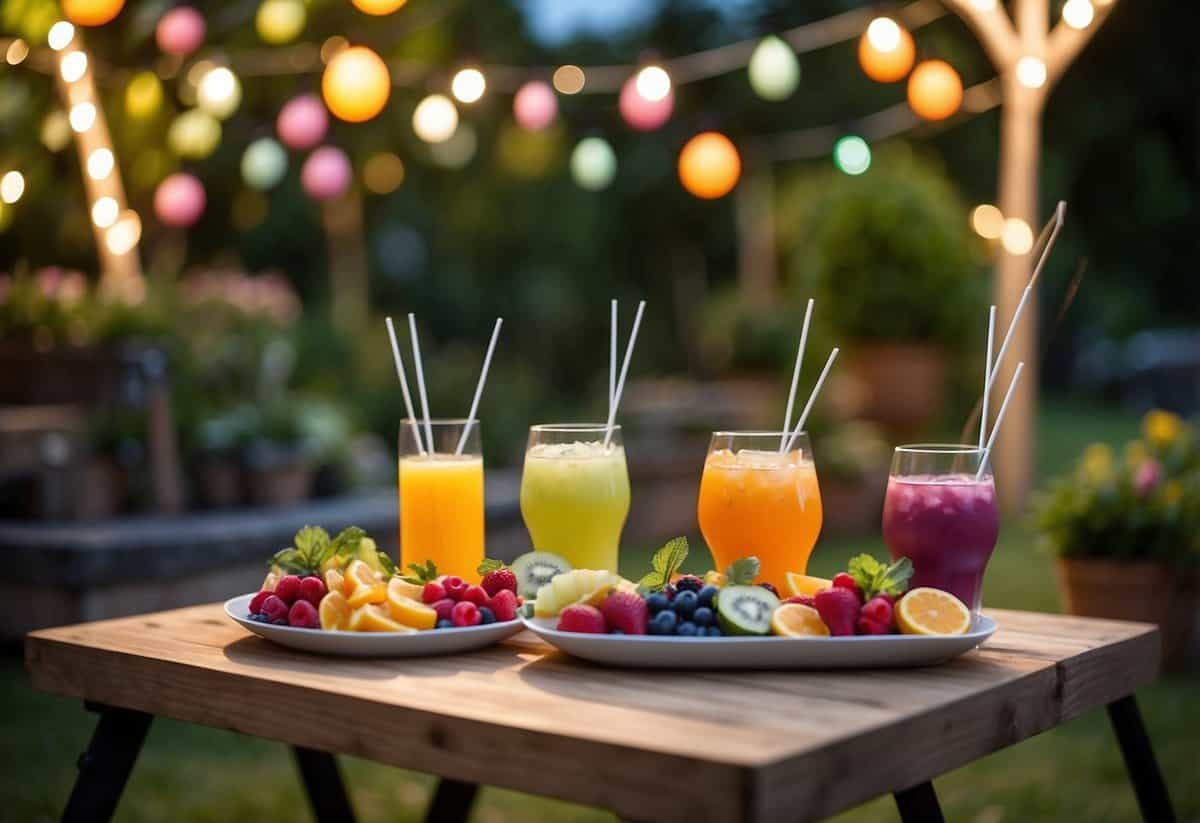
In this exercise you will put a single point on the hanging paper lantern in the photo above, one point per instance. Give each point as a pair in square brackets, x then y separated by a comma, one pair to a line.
[219, 93]
[302, 122]
[326, 173]
[593, 163]
[774, 70]
[91, 12]
[535, 105]
[280, 21]
[643, 114]
[709, 165]
[264, 163]
[179, 200]
[356, 84]
[143, 95]
[435, 119]
[378, 7]
[886, 50]
[935, 90]
[180, 31]
[194, 134]
[852, 155]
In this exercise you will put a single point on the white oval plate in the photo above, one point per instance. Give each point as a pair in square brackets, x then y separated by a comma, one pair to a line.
[651, 651]
[372, 644]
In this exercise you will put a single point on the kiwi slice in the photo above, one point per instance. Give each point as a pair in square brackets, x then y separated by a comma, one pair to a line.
[535, 569]
[746, 610]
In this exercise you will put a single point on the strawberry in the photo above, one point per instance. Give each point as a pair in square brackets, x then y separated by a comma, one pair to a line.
[498, 581]
[582, 618]
[842, 580]
[838, 607]
[312, 589]
[504, 605]
[476, 595]
[257, 603]
[879, 610]
[433, 592]
[625, 611]
[868, 626]
[288, 588]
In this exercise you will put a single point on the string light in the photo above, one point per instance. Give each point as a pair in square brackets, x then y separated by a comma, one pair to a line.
[100, 163]
[180, 31]
[12, 186]
[1016, 237]
[468, 85]
[653, 83]
[194, 134]
[60, 35]
[935, 90]
[383, 173]
[852, 155]
[883, 34]
[987, 221]
[435, 119]
[82, 116]
[378, 7]
[219, 93]
[326, 173]
[535, 106]
[569, 79]
[709, 165]
[302, 122]
[91, 12]
[264, 163]
[886, 50]
[73, 65]
[1031, 72]
[179, 200]
[1078, 14]
[105, 212]
[640, 113]
[356, 84]
[984, 5]
[17, 51]
[773, 69]
[56, 131]
[143, 95]
[123, 236]
[593, 164]
[280, 21]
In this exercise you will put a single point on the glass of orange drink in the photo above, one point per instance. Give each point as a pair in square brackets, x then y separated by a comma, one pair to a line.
[758, 499]
[441, 496]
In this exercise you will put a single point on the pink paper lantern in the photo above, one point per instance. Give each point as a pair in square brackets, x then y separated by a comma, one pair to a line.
[179, 200]
[535, 105]
[302, 122]
[180, 31]
[643, 114]
[326, 173]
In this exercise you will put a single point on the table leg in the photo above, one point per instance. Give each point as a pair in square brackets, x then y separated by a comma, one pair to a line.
[1140, 762]
[323, 783]
[919, 803]
[452, 802]
[105, 765]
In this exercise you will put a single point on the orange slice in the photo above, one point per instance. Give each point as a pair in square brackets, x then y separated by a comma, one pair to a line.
[365, 593]
[335, 581]
[403, 609]
[334, 611]
[413, 591]
[806, 584]
[372, 618]
[798, 620]
[361, 573]
[932, 611]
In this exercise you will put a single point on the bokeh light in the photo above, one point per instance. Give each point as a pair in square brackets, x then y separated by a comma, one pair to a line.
[60, 36]
[709, 165]
[886, 50]
[852, 155]
[179, 200]
[1031, 72]
[653, 83]
[16, 52]
[356, 84]
[332, 47]
[56, 131]
[640, 113]
[180, 31]
[143, 95]
[593, 164]
[91, 12]
[457, 151]
[100, 163]
[529, 155]
[194, 134]
[383, 172]
[73, 66]
[326, 173]
[123, 236]
[83, 116]
[1078, 14]
[378, 7]
[219, 93]
[468, 85]
[302, 122]
[435, 119]
[1016, 236]
[280, 21]
[535, 106]
[569, 79]
[264, 163]
[105, 212]
[773, 70]
[988, 221]
[12, 186]
[935, 90]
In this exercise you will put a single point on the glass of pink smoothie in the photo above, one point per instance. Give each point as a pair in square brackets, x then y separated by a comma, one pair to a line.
[938, 515]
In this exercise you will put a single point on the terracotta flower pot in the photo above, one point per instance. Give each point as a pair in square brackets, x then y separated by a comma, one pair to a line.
[1141, 590]
[901, 385]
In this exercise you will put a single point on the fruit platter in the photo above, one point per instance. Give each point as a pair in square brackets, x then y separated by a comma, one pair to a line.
[863, 617]
[342, 596]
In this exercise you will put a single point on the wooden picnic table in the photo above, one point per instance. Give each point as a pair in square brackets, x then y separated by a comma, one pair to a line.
[648, 745]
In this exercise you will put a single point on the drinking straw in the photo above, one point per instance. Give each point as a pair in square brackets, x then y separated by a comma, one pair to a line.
[487, 361]
[987, 452]
[987, 374]
[812, 398]
[408, 406]
[1053, 225]
[416, 345]
[612, 356]
[612, 412]
[787, 416]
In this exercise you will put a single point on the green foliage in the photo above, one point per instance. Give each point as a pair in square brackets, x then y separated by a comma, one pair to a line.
[421, 574]
[742, 571]
[1143, 504]
[740, 336]
[874, 577]
[665, 563]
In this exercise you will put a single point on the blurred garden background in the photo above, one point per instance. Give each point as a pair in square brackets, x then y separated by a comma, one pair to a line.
[204, 222]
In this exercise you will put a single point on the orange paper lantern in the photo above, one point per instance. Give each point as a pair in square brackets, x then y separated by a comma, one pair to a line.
[709, 165]
[378, 7]
[356, 84]
[886, 51]
[935, 90]
[91, 12]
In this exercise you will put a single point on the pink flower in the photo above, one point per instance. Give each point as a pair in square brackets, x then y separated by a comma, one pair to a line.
[1147, 477]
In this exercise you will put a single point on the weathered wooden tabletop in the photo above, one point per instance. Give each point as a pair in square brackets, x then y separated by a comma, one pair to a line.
[722, 746]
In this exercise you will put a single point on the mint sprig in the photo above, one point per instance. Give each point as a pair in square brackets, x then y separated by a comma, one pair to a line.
[665, 563]
[312, 547]
[873, 577]
[421, 574]
[489, 565]
[742, 571]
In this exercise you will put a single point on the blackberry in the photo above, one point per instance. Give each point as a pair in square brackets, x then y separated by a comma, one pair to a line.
[689, 583]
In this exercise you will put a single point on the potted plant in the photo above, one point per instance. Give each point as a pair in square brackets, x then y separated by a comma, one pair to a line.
[1126, 531]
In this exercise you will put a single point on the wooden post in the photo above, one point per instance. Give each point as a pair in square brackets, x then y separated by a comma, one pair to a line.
[758, 272]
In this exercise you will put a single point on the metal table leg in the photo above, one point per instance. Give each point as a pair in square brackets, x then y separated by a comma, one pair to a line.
[105, 765]
[452, 802]
[1140, 762]
[919, 804]
[323, 784]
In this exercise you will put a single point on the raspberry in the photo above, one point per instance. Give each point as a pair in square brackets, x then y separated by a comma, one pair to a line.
[443, 608]
[275, 610]
[454, 586]
[689, 583]
[879, 610]
[498, 581]
[288, 588]
[583, 619]
[504, 605]
[842, 580]
[312, 589]
[803, 600]
[257, 602]
[476, 595]
[626, 611]
[303, 615]
[433, 592]
[465, 613]
[838, 607]
[868, 626]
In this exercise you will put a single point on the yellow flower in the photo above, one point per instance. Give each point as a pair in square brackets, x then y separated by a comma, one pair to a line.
[1096, 463]
[1172, 492]
[1161, 427]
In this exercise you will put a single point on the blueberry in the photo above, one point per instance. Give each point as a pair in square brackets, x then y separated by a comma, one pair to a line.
[444, 624]
[713, 631]
[657, 602]
[616, 631]
[486, 616]
[663, 623]
[708, 596]
[685, 604]
[687, 629]
[703, 617]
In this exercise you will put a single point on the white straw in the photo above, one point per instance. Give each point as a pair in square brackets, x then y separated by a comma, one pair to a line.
[812, 398]
[1056, 222]
[987, 374]
[612, 413]
[408, 406]
[416, 345]
[787, 416]
[987, 452]
[612, 356]
[487, 361]
[995, 370]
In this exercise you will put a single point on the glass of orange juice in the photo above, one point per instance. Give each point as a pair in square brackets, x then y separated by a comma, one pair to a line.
[441, 497]
[758, 500]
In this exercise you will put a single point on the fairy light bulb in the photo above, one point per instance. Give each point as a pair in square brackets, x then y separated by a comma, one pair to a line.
[886, 51]
[60, 35]
[1031, 72]
[569, 79]
[378, 7]
[984, 5]
[468, 85]
[100, 163]
[773, 70]
[1078, 14]
[653, 83]
[105, 212]
[219, 93]
[82, 116]
[356, 84]
[852, 155]
[12, 186]
[91, 12]
[709, 165]
[1016, 237]
[123, 236]
[935, 90]
[73, 66]
[988, 221]
[884, 34]
[16, 52]
[593, 164]
[435, 119]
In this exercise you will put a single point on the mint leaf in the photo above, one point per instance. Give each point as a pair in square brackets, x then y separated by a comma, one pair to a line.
[742, 571]
[310, 539]
[664, 564]
[864, 569]
[421, 574]
[346, 542]
[894, 579]
[490, 565]
[385, 560]
[873, 577]
[290, 560]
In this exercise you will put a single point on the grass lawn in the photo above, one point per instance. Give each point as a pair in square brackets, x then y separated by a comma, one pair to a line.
[195, 774]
